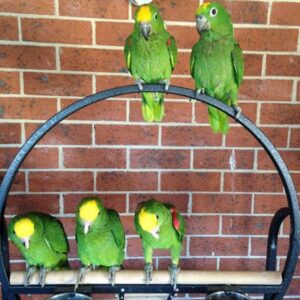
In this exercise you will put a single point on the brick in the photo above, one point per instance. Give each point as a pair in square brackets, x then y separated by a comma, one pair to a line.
[133, 264]
[189, 136]
[291, 159]
[128, 224]
[8, 28]
[245, 225]
[278, 136]
[280, 113]
[295, 137]
[10, 133]
[134, 247]
[57, 84]
[27, 57]
[294, 288]
[202, 225]
[252, 182]
[127, 181]
[190, 181]
[94, 9]
[253, 64]
[126, 135]
[28, 6]
[221, 203]
[35, 159]
[66, 134]
[285, 13]
[23, 203]
[9, 83]
[174, 112]
[57, 31]
[266, 90]
[211, 246]
[283, 65]
[242, 264]
[98, 60]
[27, 108]
[69, 224]
[111, 81]
[281, 266]
[269, 204]
[111, 201]
[94, 158]
[18, 183]
[267, 39]
[185, 36]
[298, 91]
[180, 201]
[239, 137]
[259, 246]
[183, 64]
[196, 263]
[223, 159]
[60, 181]
[160, 159]
[108, 110]
[118, 32]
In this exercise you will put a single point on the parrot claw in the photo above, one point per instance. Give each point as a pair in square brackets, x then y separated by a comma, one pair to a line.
[29, 272]
[42, 278]
[166, 82]
[82, 272]
[238, 111]
[139, 83]
[200, 91]
[112, 274]
[174, 270]
[148, 273]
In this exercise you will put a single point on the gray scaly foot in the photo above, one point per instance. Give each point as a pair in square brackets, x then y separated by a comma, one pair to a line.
[148, 273]
[237, 110]
[82, 272]
[29, 272]
[112, 274]
[174, 270]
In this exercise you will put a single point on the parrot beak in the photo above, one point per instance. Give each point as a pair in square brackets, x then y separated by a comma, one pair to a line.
[146, 29]
[26, 243]
[86, 227]
[155, 232]
[202, 23]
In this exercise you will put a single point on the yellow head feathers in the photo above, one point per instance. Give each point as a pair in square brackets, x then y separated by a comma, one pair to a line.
[24, 228]
[201, 8]
[144, 14]
[89, 211]
[148, 221]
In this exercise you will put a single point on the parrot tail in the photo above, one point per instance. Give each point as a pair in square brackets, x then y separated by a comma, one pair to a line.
[153, 107]
[218, 120]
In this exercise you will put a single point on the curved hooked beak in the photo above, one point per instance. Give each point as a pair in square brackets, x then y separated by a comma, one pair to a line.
[86, 227]
[146, 29]
[155, 232]
[202, 23]
[26, 243]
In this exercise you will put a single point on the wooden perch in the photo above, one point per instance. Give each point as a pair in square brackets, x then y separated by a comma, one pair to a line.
[158, 277]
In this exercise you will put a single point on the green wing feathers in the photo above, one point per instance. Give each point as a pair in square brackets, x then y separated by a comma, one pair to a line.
[238, 63]
[153, 106]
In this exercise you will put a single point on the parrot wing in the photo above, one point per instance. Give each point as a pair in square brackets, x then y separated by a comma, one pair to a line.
[54, 235]
[127, 52]
[192, 61]
[238, 63]
[177, 221]
[117, 229]
[171, 44]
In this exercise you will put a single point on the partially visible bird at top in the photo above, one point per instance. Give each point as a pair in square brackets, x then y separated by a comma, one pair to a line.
[140, 2]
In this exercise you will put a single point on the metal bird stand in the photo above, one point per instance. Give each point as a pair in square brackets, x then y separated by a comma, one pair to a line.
[270, 292]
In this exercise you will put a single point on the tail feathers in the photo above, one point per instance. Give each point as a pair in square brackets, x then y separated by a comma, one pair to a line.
[218, 120]
[153, 107]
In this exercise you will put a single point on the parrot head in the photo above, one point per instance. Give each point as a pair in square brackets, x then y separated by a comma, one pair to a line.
[24, 229]
[151, 216]
[213, 17]
[89, 210]
[148, 20]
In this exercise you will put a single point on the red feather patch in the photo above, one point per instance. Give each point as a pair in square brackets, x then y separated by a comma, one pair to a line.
[175, 220]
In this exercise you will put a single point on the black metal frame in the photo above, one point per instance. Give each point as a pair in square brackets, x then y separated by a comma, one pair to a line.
[270, 292]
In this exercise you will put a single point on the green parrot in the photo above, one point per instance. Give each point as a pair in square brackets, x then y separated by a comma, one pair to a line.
[151, 55]
[42, 241]
[216, 63]
[160, 226]
[100, 238]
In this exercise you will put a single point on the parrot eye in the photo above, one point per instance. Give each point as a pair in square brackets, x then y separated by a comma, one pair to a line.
[157, 217]
[213, 12]
[155, 16]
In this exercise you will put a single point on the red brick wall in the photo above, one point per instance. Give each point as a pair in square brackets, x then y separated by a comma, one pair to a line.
[53, 52]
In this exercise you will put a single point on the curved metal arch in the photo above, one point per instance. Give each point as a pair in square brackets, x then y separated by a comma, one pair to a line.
[181, 91]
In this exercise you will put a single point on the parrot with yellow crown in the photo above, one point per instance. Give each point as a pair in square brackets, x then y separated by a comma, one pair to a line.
[160, 226]
[100, 238]
[216, 63]
[151, 55]
[42, 241]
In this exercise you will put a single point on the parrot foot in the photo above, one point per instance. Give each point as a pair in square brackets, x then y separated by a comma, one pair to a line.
[139, 83]
[174, 270]
[200, 91]
[82, 272]
[166, 82]
[238, 111]
[29, 272]
[42, 278]
[148, 273]
[112, 274]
